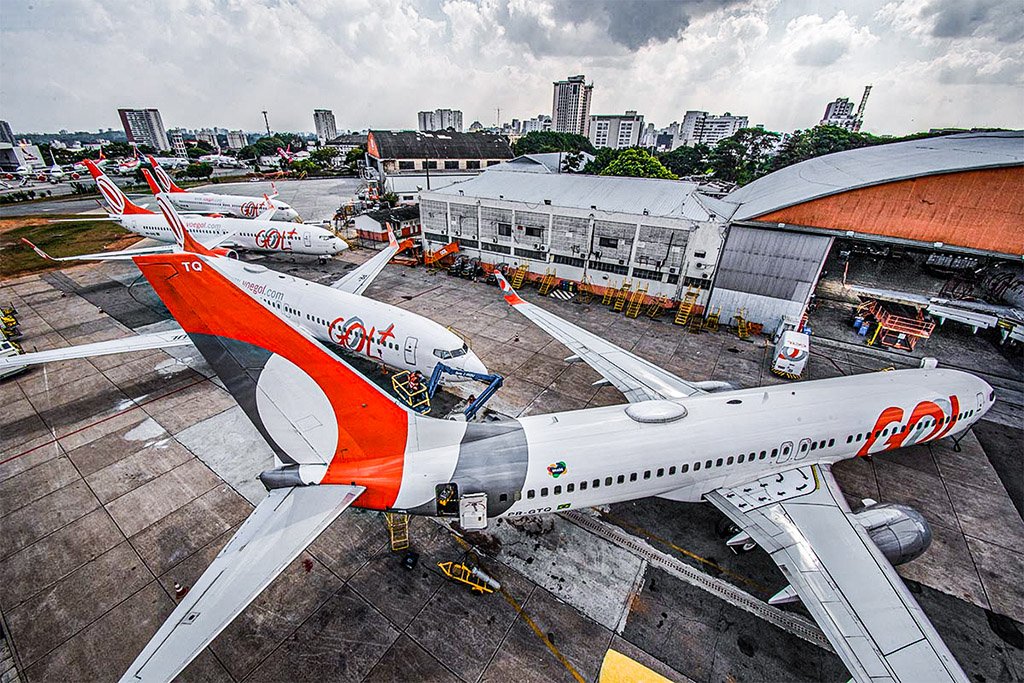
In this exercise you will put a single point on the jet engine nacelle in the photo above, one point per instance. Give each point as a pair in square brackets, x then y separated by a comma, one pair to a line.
[900, 532]
[221, 251]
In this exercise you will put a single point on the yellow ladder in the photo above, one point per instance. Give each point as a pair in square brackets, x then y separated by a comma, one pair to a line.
[398, 529]
[686, 306]
[696, 324]
[547, 283]
[636, 301]
[712, 322]
[519, 276]
[741, 324]
[609, 294]
[658, 306]
[621, 295]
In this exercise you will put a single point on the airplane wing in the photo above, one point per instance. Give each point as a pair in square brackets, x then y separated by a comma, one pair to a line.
[123, 255]
[280, 528]
[801, 519]
[356, 281]
[636, 378]
[141, 342]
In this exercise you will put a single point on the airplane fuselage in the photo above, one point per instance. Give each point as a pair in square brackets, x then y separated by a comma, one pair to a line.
[250, 235]
[237, 206]
[582, 458]
[353, 323]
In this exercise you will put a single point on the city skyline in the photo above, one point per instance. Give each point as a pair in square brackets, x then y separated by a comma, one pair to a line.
[931, 62]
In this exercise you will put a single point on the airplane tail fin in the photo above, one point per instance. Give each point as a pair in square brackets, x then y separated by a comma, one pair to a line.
[117, 201]
[326, 422]
[182, 237]
[153, 187]
[163, 178]
[103, 157]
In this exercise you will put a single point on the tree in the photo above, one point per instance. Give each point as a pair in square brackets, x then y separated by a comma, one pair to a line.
[814, 142]
[324, 157]
[539, 142]
[354, 156]
[744, 156]
[390, 198]
[684, 161]
[306, 166]
[604, 156]
[637, 163]
[197, 171]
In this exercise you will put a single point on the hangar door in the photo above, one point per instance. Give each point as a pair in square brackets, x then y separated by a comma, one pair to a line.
[768, 273]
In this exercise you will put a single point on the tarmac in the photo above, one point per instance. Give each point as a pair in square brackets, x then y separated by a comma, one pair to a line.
[124, 475]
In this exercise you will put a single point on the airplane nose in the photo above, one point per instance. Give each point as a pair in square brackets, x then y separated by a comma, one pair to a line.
[339, 245]
[472, 363]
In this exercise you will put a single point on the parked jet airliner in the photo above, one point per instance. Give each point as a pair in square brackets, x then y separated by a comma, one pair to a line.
[337, 315]
[762, 456]
[258, 234]
[239, 206]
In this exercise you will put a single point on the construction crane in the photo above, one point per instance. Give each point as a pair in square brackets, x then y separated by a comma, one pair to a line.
[859, 116]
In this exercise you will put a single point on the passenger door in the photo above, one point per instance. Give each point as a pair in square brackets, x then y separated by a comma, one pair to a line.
[410, 351]
[307, 239]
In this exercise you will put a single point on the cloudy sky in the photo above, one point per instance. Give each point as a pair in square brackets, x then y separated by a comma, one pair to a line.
[71, 63]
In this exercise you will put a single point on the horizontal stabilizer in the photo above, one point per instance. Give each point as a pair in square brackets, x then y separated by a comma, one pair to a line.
[140, 342]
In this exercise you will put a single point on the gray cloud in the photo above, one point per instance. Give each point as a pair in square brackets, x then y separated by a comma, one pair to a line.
[964, 18]
[821, 53]
[606, 26]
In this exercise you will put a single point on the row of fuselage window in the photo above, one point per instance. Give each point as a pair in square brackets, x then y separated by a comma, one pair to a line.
[356, 335]
[903, 429]
[648, 474]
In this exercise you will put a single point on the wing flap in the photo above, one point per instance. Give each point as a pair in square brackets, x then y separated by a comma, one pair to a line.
[636, 378]
[280, 528]
[141, 342]
[801, 519]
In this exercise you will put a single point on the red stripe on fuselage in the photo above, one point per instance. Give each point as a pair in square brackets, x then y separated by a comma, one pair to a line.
[372, 429]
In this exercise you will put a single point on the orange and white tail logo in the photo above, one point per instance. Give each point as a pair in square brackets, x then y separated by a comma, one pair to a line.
[182, 237]
[117, 201]
[163, 178]
[153, 187]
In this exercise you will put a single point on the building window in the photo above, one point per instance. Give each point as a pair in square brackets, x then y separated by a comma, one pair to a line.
[530, 253]
[567, 260]
[534, 232]
[496, 248]
[609, 267]
[505, 229]
[493, 162]
[406, 165]
[451, 165]
[608, 242]
[431, 164]
[472, 163]
[647, 274]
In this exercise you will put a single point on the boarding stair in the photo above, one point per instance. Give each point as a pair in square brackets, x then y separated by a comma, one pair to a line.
[586, 294]
[696, 324]
[742, 328]
[621, 295]
[547, 283]
[636, 301]
[686, 306]
[658, 306]
[519, 276]
[712, 322]
[398, 529]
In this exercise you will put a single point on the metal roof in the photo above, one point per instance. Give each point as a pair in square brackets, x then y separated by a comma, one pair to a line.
[610, 194]
[857, 168]
[545, 162]
[438, 144]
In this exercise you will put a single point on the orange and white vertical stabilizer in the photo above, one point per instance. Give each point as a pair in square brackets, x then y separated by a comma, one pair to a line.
[321, 418]
[116, 200]
[163, 178]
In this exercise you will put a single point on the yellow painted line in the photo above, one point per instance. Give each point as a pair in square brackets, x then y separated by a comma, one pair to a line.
[532, 624]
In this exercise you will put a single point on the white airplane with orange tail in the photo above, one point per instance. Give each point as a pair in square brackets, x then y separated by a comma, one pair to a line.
[336, 315]
[259, 234]
[762, 456]
[209, 202]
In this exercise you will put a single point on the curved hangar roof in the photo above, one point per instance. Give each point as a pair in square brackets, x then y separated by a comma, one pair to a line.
[965, 189]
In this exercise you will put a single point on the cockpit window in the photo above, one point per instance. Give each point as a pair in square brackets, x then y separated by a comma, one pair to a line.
[445, 355]
[442, 354]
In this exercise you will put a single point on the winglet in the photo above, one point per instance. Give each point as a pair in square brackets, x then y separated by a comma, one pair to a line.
[163, 177]
[153, 187]
[182, 236]
[38, 250]
[117, 201]
[510, 294]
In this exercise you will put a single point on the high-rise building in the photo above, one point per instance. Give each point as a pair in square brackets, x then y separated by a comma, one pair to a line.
[440, 119]
[178, 145]
[541, 122]
[700, 127]
[6, 134]
[326, 128]
[144, 127]
[237, 139]
[616, 131]
[209, 137]
[570, 105]
[839, 112]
